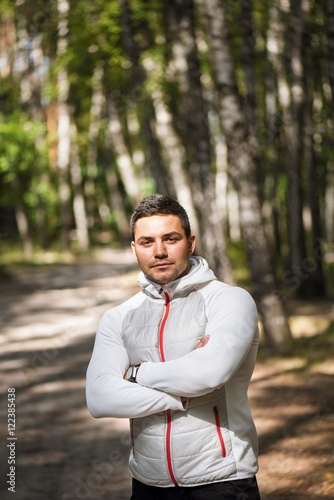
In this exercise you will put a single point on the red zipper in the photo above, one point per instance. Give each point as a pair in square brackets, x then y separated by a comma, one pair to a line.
[219, 431]
[162, 327]
[169, 456]
[169, 415]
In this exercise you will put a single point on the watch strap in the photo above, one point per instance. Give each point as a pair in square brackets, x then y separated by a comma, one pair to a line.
[131, 374]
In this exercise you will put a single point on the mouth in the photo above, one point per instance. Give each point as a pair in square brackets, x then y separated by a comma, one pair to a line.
[162, 265]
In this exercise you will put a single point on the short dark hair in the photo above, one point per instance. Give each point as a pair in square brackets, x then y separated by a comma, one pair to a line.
[159, 204]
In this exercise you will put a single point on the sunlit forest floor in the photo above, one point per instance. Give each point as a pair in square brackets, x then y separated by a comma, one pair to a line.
[49, 315]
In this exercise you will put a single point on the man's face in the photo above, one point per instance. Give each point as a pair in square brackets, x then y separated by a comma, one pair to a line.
[161, 248]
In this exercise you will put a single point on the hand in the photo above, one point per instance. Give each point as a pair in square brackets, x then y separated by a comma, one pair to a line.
[204, 340]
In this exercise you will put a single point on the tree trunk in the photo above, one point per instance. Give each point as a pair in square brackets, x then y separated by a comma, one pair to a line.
[8, 45]
[233, 212]
[198, 135]
[23, 227]
[97, 103]
[329, 197]
[63, 151]
[315, 270]
[114, 194]
[330, 37]
[270, 138]
[158, 125]
[294, 138]
[145, 106]
[329, 202]
[22, 220]
[221, 181]
[122, 153]
[248, 63]
[243, 173]
[291, 99]
[174, 153]
[79, 208]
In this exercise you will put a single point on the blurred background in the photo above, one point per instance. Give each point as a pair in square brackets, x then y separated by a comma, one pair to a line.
[227, 106]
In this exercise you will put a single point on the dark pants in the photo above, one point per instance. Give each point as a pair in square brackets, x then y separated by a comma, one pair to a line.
[240, 489]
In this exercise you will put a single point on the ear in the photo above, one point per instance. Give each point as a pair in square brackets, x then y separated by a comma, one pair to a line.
[191, 244]
[133, 249]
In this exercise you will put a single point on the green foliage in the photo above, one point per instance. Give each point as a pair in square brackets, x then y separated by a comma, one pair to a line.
[24, 169]
[20, 158]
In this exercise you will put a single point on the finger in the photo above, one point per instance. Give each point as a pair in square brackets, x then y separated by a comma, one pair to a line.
[204, 340]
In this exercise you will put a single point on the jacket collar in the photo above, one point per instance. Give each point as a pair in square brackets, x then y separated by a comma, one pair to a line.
[199, 273]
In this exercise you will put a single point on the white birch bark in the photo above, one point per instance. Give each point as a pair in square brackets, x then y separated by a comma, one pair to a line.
[248, 62]
[174, 154]
[115, 201]
[242, 153]
[78, 199]
[233, 213]
[123, 157]
[63, 149]
[98, 101]
[23, 227]
[184, 68]
[291, 98]
[274, 120]
[221, 183]
[145, 107]
[21, 63]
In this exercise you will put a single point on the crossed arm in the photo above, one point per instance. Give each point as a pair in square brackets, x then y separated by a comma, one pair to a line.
[204, 340]
[162, 386]
[232, 325]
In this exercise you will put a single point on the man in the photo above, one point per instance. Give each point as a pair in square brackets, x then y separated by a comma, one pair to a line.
[177, 359]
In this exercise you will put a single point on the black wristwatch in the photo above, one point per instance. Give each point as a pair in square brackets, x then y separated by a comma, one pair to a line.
[131, 374]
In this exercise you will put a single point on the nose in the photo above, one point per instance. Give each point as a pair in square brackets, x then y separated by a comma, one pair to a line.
[160, 250]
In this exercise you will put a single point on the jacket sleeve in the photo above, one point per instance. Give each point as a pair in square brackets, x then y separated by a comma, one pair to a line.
[232, 326]
[107, 393]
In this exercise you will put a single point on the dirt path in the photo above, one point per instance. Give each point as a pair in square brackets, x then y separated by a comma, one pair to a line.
[48, 320]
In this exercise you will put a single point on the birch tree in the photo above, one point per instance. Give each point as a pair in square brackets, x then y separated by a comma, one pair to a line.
[63, 149]
[248, 62]
[329, 219]
[144, 102]
[121, 150]
[184, 49]
[115, 201]
[96, 113]
[274, 121]
[316, 276]
[243, 173]
[175, 155]
[79, 208]
[293, 137]
[329, 12]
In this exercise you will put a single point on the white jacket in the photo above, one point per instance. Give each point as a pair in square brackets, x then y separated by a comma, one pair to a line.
[212, 436]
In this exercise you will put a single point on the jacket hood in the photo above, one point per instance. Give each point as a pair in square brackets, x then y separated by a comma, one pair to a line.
[199, 273]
